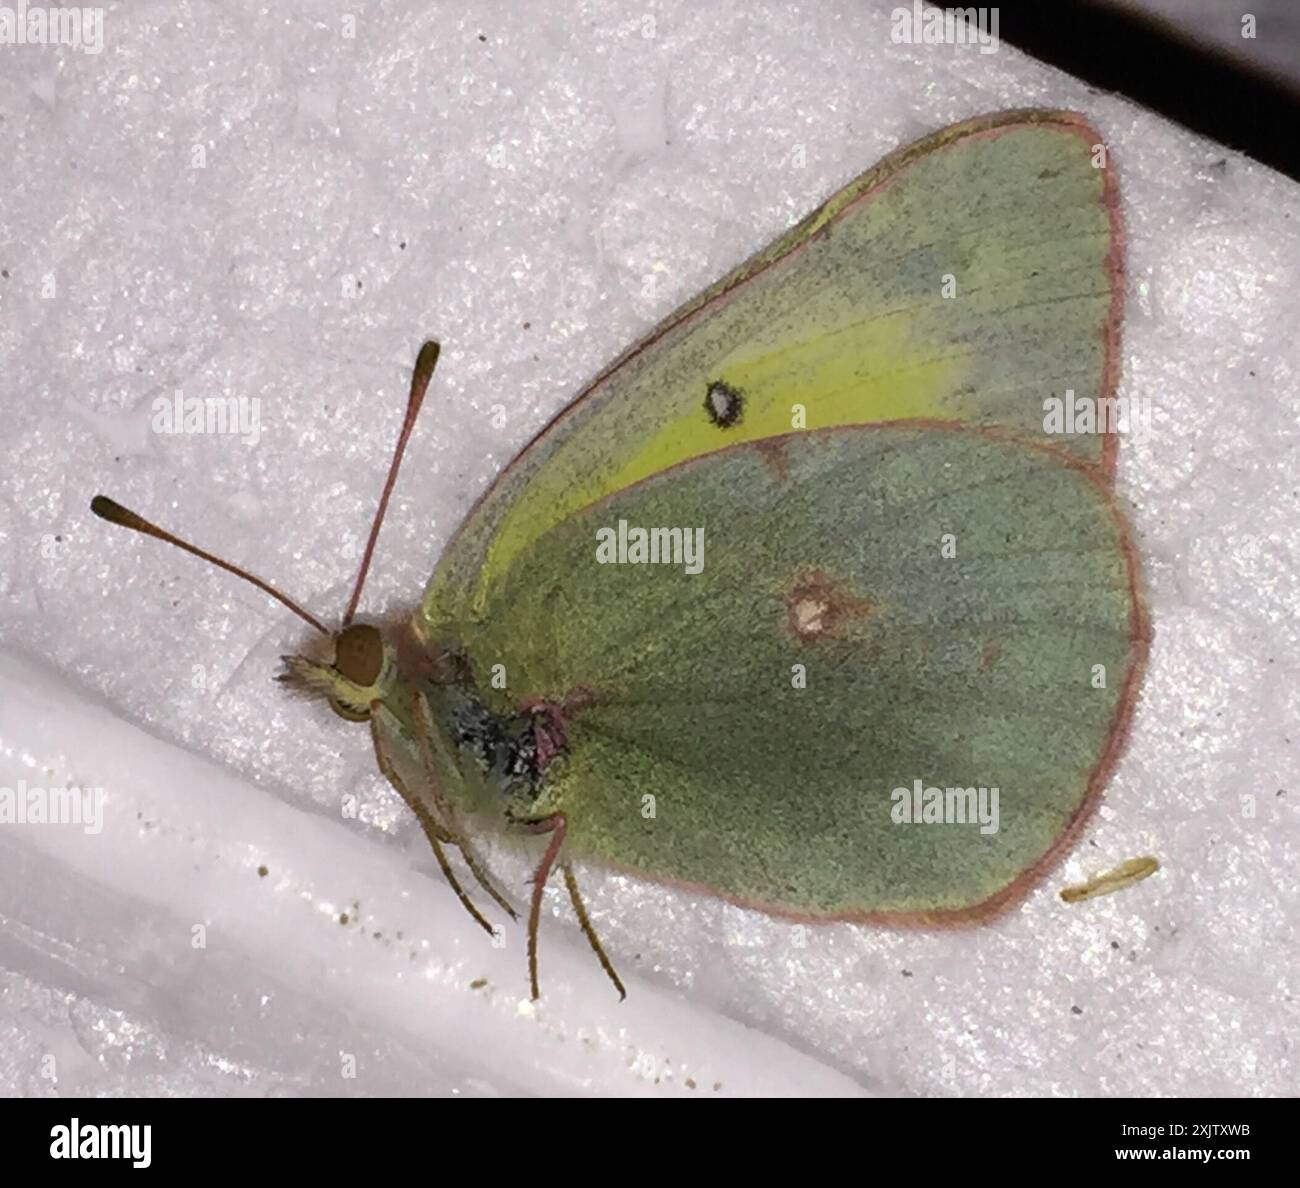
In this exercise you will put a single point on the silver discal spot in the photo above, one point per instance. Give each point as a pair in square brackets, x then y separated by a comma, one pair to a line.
[808, 615]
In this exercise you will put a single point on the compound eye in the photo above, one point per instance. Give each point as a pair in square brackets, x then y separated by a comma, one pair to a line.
[359, 654]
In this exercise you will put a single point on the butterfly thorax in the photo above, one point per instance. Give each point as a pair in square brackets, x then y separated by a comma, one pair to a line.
[490, 756]
[502, 753]
[512, 750]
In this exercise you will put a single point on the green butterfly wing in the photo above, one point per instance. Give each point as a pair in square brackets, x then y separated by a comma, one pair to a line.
[1011, 664]
[966, 277]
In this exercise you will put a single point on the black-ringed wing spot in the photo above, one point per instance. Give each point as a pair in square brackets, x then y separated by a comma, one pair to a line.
[724, 404]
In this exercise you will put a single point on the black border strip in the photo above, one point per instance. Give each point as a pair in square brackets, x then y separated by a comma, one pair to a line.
[1204, 89]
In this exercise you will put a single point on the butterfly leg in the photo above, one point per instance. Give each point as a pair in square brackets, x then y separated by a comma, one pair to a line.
[589, 932]
[480, 875]
[420, 711]
[556, 826]
[435, 833]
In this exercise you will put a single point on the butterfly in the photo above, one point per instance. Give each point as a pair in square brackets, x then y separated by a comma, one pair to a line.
[803, 602]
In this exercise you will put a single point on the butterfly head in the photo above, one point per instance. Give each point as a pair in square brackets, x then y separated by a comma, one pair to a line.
[362, 672]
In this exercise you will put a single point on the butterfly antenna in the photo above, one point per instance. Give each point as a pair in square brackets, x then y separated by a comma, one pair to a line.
[115, 513]
[425, 362]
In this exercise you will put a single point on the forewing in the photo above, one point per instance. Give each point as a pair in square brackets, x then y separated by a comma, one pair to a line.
[966, 277]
